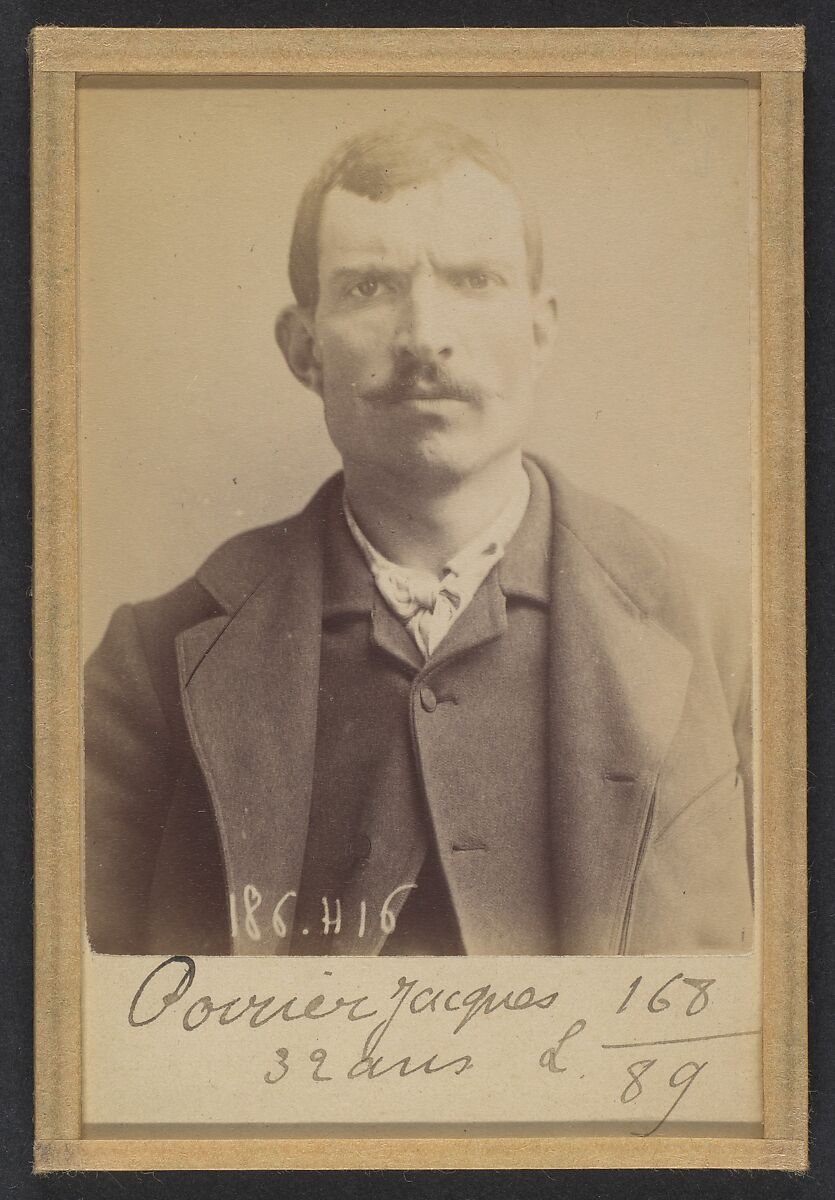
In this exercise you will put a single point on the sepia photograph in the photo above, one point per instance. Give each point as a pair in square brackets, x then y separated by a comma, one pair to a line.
[488, 691]
[416, 687]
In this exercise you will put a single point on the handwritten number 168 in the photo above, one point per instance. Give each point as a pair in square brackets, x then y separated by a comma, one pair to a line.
[658, 1001]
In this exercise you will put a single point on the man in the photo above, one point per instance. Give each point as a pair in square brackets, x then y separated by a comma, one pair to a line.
[455, 706]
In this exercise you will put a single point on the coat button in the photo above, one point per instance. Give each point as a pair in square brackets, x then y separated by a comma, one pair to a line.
[428, 699]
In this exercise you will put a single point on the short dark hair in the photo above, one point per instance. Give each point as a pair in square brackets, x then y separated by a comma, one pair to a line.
[381, 162]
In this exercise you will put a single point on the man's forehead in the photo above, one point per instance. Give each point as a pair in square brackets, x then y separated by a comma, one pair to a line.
[465, 210]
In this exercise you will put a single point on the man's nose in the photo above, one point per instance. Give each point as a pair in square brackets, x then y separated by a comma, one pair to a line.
[425, 327]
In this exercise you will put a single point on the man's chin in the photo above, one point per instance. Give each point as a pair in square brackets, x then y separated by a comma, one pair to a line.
[438, 462]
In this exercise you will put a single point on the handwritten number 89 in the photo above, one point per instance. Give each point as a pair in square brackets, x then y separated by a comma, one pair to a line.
[677, 1080]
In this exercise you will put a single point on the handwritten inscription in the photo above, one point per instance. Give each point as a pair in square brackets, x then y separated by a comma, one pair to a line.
[663, 998]
[156, 995]
[368, 1066]
[653, 1071]
[247, 917]
[635, 1088]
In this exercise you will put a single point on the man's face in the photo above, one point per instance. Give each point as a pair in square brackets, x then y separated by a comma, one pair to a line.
[427, 337]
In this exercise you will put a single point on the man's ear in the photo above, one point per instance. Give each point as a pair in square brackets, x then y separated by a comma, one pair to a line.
[544, 323]
[294, 334]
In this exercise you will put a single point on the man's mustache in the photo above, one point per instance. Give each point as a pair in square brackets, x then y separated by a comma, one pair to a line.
[423, 383]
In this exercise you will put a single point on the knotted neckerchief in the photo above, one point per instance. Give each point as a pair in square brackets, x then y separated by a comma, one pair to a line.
[427, 605]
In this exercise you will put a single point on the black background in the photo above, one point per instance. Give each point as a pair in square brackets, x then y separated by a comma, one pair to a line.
[16, 20]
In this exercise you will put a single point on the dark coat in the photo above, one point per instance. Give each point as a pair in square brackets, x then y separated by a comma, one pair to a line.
[202, 703]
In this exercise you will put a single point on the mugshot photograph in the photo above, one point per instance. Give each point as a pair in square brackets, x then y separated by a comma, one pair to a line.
[457, 705]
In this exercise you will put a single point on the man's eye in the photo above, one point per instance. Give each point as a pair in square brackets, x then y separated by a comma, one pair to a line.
[476, 281]
[366, 289]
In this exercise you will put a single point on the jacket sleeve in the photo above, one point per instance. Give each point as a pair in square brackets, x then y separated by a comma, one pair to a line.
[126, 782]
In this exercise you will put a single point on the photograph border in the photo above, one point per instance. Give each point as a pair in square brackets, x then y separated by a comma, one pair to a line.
[58, 58]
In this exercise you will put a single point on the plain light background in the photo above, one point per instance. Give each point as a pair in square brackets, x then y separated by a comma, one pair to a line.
[191, 426]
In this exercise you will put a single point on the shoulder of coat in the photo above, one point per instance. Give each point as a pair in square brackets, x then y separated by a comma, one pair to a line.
[660, 574]
[237, 566]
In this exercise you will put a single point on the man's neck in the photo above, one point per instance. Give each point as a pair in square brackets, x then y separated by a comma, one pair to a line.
[424, 527]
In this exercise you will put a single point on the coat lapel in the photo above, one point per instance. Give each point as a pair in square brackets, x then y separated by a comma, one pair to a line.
[249, 683]
[617, 686]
